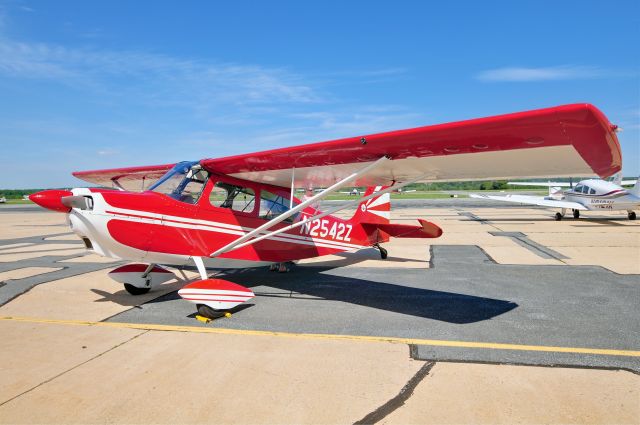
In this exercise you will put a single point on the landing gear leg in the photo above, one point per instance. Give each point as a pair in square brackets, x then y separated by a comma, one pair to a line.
[561, 214]
[201, 268]
[205, 312]
[631, 215]
[383, 252]
[134, 290]
[576, 213]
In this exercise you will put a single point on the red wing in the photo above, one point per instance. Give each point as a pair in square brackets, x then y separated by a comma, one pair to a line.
[570, 140]
[132, 178]
[566, 140]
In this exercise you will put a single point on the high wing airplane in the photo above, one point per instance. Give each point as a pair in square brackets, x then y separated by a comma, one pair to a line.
[587, 195]
[241, 211]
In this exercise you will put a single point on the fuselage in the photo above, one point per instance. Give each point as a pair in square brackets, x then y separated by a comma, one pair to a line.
[597, 194]
[152, 227]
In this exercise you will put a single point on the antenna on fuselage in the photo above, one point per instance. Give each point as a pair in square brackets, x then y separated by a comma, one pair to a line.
[570, 182]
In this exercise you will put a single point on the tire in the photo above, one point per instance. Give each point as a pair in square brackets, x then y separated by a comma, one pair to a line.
[383, 253]
[134, 290]
[558, 216]
[208, 312]
[576, 213]
[632, 215]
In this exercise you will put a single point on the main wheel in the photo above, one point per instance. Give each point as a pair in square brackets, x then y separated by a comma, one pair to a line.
[576, 213]
[632, 215]
[558, 216]
[134, 290]
[383, 253]
[208, 312]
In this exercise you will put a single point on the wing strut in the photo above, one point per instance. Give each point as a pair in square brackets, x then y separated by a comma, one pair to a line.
[328, 212]
[299, 207]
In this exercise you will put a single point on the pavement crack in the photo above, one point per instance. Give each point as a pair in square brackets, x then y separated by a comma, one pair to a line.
[73, 368]
[396, 402]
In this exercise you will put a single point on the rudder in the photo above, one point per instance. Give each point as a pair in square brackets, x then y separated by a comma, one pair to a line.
[375, 210]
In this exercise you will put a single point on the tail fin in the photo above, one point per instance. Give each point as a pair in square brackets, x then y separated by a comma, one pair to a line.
[617, 178]
[375, 210]
[636, 188]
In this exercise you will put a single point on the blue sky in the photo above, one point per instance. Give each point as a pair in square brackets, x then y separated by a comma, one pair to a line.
[90, 84]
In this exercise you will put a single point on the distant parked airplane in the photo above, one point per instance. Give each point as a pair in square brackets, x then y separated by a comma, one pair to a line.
[589, 195]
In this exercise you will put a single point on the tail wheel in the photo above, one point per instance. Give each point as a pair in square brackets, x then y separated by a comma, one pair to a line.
[632, 215]
[558, 216]
[383, 252]
[134, 290]
[576, 213]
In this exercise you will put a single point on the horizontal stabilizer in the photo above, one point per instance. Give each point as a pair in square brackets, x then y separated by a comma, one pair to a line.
[425, 230]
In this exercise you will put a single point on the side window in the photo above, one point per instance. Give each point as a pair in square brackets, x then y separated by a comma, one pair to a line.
[592, 191]
[236, 198]
[585, 189]
[272, 205]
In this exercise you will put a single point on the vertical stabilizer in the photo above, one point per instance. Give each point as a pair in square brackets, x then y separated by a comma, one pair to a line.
[635, 190]
[375, 210]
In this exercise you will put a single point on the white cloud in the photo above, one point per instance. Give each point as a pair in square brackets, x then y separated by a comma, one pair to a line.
[107, 152]
[159, 79]
[522, 74]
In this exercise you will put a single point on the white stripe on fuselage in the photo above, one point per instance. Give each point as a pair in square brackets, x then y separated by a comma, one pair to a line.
[212, 226]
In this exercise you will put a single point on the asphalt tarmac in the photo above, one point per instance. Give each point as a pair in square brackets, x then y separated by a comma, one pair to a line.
[465, 296]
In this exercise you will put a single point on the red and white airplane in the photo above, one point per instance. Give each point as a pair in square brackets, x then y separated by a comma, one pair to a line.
[240, 211]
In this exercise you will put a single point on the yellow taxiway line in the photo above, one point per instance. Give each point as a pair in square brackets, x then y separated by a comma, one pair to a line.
[416, 341]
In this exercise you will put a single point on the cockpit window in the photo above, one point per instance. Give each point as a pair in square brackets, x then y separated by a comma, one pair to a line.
[272, 205]
[237, 198]
[184, 182]
[585, 189]
[578, 188]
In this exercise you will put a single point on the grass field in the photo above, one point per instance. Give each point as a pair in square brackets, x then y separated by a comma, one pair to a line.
[17, 202]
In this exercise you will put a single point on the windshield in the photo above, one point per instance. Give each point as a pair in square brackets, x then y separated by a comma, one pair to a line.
[184, 182]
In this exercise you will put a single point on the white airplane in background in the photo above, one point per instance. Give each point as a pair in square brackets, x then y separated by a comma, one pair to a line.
[587, 195]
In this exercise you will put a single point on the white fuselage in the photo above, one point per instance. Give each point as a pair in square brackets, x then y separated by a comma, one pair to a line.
[597, 194]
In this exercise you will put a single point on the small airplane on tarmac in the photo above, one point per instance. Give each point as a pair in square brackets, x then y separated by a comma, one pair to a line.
[587, 195]
[241, 211]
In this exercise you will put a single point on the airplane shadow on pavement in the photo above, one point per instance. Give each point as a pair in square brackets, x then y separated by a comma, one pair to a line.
[382, 289]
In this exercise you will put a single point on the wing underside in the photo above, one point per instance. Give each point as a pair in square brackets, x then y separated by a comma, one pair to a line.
[532, 200]
[133, 178]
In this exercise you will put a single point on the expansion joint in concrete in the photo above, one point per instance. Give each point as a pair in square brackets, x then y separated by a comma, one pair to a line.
[74, 367]
[399, 400]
